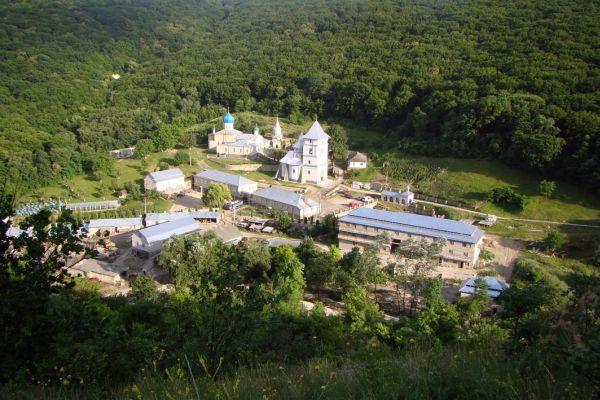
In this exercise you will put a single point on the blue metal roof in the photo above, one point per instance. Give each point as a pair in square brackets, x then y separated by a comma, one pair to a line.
[413, 223]
[166, 175]
[224, 177]
[228, 118]
[160, 232]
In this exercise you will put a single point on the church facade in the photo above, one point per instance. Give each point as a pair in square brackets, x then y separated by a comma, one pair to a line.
[307, 161]
[230, 142]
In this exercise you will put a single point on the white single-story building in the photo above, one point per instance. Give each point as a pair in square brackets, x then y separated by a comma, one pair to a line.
[295, 204]
[149, 241]
[357, 160]
[168, 181]
[95, 269]
[495, 287]
[239, 186]
[200, 216]
[127, 152]
[100, 227]
[404, 198]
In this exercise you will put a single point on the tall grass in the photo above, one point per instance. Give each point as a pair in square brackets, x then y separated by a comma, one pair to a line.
[416, 373]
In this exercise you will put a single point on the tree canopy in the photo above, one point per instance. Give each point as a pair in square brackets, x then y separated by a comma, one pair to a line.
[510, 80]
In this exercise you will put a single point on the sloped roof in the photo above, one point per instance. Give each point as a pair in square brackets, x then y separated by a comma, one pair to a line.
[291, 159]
[107, 222]
[160, 232]
[413, 223]
[285, 197]
[224, 177]
[316, 132]
[495, 286]
[227, 233]
[166, 175]
[98, 267]
[356, 156]
[391, 193]
[94, 204]
[173, 216]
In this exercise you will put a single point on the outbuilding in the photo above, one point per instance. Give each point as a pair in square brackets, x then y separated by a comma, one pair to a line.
[148, 241]
[200, 216]
[403, 198]
[494, 286]
[100, 270]
[295, 204]
[357, 160]
[104, 226]
[169, 181]
[239, 186]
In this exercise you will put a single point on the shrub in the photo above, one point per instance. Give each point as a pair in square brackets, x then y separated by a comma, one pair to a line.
[507, 197]
[547, 188]
[554, 241]
[284, 221]
[181, 158]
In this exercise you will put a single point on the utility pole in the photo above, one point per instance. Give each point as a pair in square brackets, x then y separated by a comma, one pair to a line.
[385, 165]
[190, 149]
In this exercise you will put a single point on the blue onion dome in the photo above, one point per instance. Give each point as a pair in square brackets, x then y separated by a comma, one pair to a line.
[228, 118]
[256, 129]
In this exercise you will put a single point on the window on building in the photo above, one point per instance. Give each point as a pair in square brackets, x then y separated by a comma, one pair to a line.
[451, 251]
[452, 242]
[464, 245]
[466, 254]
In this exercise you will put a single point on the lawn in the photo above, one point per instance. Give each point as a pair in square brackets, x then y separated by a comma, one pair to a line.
[471, 180]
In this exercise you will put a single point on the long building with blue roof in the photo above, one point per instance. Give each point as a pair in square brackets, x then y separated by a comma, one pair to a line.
[364, 226]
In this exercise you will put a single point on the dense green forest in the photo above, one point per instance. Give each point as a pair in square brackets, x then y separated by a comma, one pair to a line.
[512, 80]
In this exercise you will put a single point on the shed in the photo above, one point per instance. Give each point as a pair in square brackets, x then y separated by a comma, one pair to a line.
[495, 287]
[357, 160]
[100, 270]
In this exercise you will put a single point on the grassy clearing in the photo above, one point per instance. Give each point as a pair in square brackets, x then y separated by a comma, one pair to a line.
[470, 180]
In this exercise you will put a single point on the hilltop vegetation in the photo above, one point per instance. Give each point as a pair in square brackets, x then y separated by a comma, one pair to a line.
[516, 81]
[234, 327]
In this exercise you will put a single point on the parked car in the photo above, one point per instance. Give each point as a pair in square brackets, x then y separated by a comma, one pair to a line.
[367, 199]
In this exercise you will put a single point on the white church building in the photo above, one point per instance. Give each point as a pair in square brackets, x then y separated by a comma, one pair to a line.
[230, 142]
[307, 161]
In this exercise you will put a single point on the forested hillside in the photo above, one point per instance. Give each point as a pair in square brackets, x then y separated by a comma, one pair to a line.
[514, 80]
